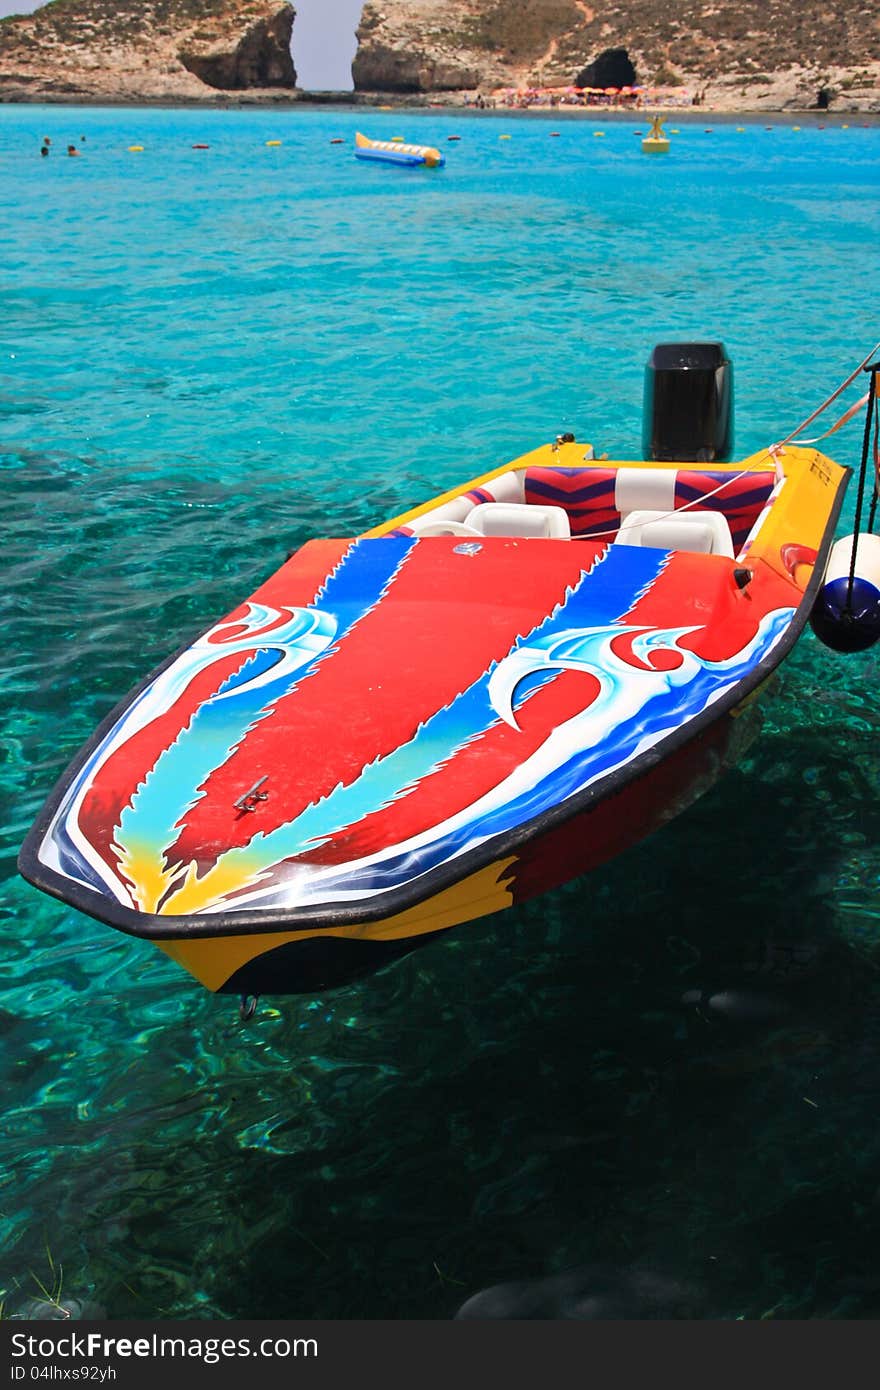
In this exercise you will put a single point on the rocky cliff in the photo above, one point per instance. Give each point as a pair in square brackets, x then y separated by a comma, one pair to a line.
[739, 52]
[762, 50]
[147, 50]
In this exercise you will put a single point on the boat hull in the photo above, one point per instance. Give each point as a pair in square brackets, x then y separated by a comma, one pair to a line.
[299, 961]
[404, 732]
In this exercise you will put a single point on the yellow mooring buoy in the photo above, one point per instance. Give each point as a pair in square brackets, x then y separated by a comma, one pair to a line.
[656, 141]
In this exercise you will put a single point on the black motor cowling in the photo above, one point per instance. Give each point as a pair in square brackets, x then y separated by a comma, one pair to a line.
[688, 407]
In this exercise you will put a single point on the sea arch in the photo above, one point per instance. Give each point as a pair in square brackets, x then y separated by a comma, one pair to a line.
[324, 44]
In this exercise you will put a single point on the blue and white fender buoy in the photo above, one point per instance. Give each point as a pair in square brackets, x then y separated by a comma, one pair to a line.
[849, 621]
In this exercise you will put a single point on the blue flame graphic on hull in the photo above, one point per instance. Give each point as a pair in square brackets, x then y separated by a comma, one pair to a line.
[637, 704]
[634, 710]
[279, 648]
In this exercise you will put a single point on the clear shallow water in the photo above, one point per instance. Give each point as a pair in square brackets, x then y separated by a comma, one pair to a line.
[208, 356]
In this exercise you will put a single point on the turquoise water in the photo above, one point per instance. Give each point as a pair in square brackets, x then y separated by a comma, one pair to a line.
[208, 356]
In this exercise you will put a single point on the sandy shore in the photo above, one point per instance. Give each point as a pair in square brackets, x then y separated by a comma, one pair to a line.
[695, 115]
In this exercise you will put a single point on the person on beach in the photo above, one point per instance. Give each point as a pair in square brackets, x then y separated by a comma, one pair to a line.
[72, 150]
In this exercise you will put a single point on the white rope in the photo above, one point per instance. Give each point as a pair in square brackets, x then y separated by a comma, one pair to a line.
[774, 448]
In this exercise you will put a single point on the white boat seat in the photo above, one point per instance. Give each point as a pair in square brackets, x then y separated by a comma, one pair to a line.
[706, 533]
[456, 510]
[519, 519]
[442, 526]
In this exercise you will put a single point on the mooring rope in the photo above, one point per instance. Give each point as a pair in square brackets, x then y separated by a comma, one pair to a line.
[869, 398]
[789, 439]
[873, 511]
[863, 473]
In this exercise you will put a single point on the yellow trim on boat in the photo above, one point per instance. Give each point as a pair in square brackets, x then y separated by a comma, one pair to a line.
[214, 960]
[573, 455]
[545, 456]
[800, 510]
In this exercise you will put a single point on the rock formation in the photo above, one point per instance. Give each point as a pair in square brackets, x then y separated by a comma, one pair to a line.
[738, 52]
[261, 58]
[125, 50]
[425, 46]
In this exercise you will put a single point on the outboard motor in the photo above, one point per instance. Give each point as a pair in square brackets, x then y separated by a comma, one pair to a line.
[688, 404]
[844, 621]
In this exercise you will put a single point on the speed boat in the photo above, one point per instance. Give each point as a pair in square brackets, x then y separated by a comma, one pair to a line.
[465, 706]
